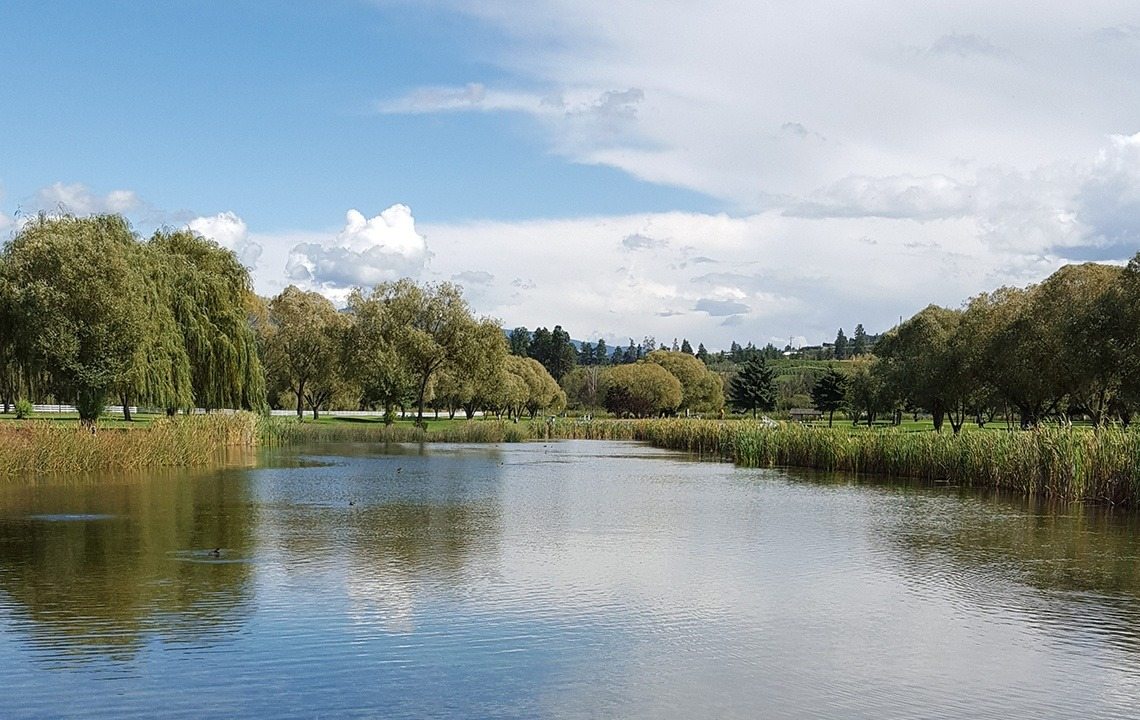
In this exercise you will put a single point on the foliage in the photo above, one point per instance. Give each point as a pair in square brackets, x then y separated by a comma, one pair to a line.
[868, 390]
[210, 298]
[23, 409]
[303, 341]
[830, 393]
[754, 387]
[585, 387]
[927, 362]
[642, 389]
[77, 295]
[701, 390]
[554, 350]
[431, 325]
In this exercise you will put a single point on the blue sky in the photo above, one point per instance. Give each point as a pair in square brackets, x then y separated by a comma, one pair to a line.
[270, 107]
[731, 170]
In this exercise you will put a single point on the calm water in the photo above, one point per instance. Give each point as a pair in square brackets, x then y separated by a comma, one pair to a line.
[574, 579]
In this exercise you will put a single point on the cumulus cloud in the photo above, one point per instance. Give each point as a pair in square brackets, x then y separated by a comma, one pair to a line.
[231, 232]
[78, 199]
[365, 252]
[1108, 203]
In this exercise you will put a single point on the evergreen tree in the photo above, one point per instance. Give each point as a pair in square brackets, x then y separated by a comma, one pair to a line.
[702, 354]
[601, 353]
[686, 347]
[840, 345]
[586, 353]
[561, 357]
[859, 341]
[540, 344]
[754, 387]
[829, 393]
[519, 341]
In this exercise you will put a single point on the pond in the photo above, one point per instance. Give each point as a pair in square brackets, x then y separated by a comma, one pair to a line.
[559, 580]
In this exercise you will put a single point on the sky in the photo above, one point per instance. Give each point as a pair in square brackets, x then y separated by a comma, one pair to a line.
[729, 170]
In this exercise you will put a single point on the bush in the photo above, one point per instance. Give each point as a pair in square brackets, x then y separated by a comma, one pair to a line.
[23, 409]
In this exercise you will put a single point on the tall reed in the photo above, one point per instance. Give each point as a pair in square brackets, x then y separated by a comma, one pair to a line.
[1074, 464]
[45, 446]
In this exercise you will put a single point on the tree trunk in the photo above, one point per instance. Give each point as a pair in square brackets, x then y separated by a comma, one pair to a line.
[830, 417]
[301, 401]
[423, 391]
[126, 401]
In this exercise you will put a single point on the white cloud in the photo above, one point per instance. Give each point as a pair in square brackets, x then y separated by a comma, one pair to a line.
[749, 101]
[231, 232]
[775, 276]
[365, 252]
[1108, 203]
[78, 199]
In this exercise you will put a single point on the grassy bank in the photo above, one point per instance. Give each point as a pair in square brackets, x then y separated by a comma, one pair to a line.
[52, 446]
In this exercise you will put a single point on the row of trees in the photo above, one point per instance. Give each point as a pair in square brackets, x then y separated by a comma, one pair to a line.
[88, 311]
[1069, 346]
[399, 344]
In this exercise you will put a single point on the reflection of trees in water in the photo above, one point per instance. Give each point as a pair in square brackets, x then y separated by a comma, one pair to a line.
[388, 555]
[101, 566]
[1082, 559]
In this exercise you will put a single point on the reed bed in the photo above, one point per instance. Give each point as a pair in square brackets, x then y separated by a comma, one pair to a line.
[51, 447]
[1071, 464]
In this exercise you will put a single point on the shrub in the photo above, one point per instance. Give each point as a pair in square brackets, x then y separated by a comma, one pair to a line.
[23, 409]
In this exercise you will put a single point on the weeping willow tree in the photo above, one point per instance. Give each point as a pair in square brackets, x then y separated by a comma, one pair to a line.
[77, 304]
[160, 373]
[208, 293]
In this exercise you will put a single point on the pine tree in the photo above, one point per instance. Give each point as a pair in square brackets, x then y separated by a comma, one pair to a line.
[859, 341]
[840, 345]
[601, 353]
[586, 354]
[754, 387]
[519, 340]
[686, 347]
[829, 393]
[702, 354]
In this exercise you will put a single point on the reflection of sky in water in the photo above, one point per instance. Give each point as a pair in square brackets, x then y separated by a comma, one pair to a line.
[558, 580]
